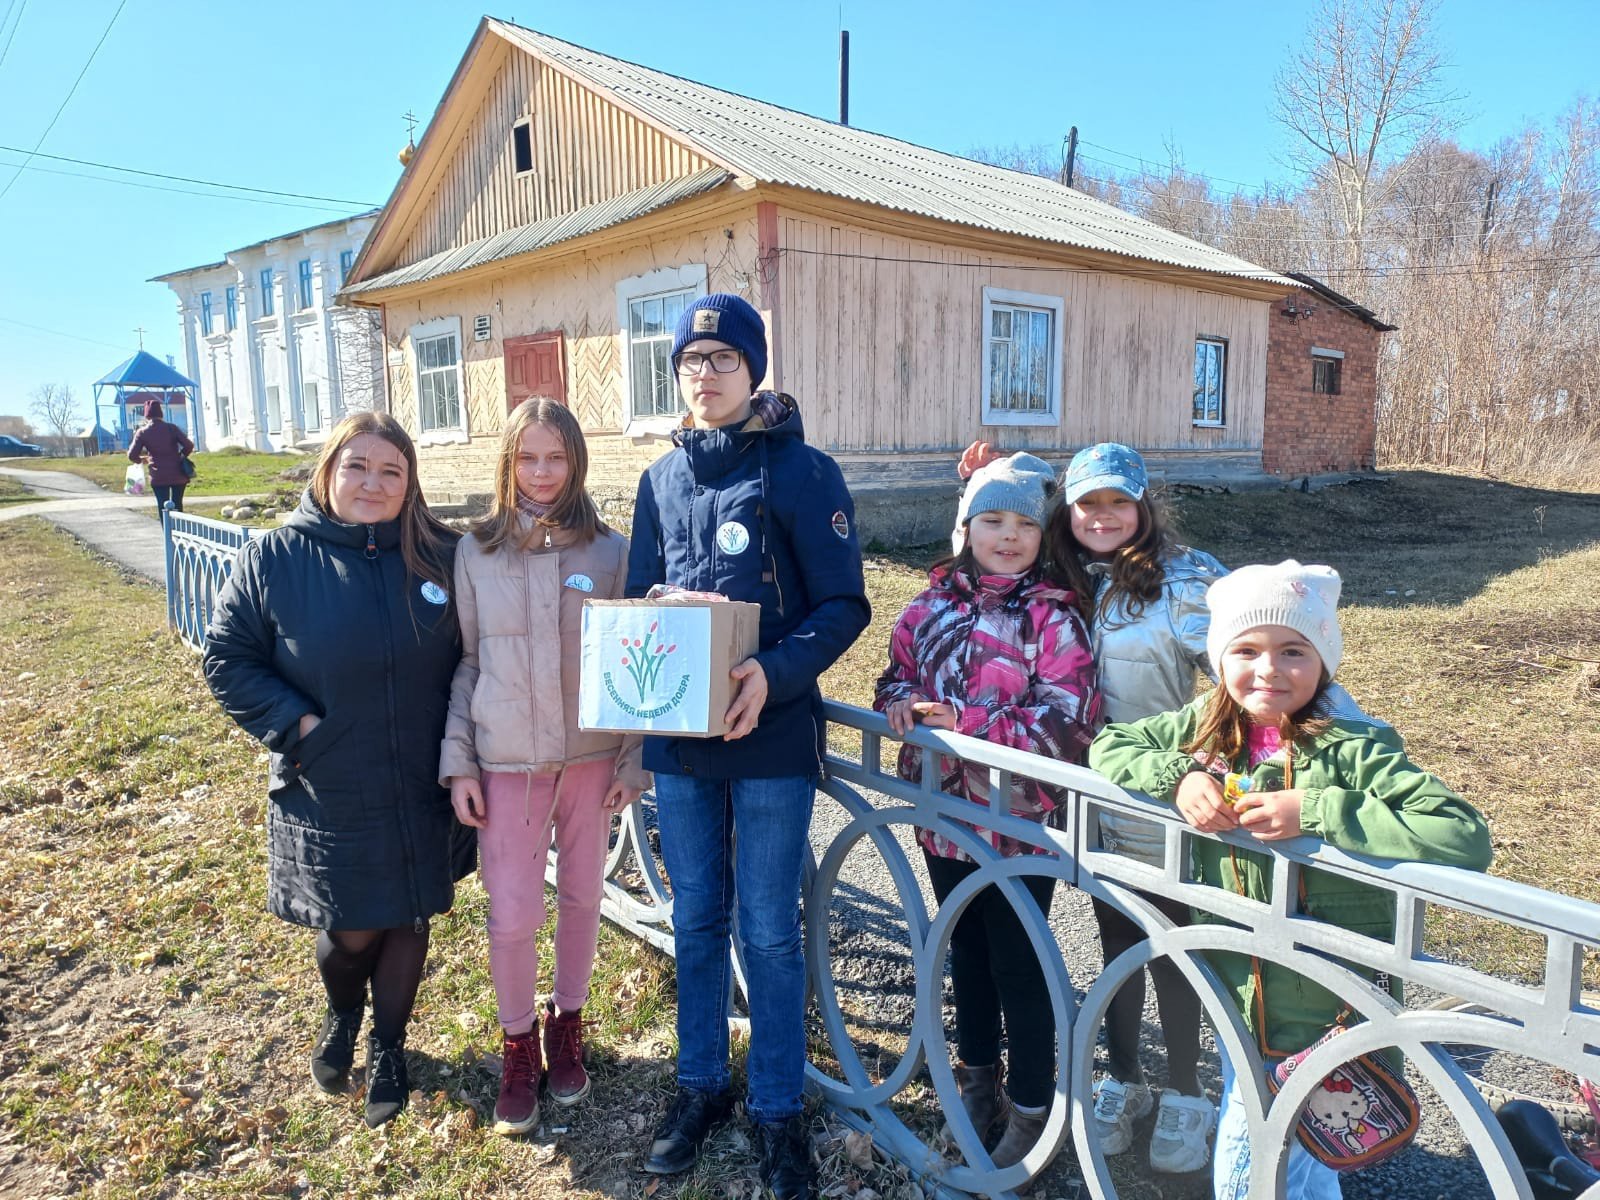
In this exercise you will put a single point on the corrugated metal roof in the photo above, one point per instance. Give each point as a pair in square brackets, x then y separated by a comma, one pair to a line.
[524, 239]
[781, 146]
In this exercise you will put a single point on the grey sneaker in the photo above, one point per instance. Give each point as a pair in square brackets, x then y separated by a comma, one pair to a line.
[1182, 1139]
[1117, 1106]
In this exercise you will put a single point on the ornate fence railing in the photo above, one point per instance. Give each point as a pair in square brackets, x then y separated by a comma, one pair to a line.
[1546, 1023]
[199, 554]
[1549, 1023]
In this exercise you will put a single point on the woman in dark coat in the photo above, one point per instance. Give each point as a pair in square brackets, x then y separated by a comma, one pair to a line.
[162, 446]
[334, 642]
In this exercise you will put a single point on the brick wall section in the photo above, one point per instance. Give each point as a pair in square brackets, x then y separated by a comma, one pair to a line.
[1306, 433]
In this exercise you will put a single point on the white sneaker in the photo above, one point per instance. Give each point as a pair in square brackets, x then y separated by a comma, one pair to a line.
[1182, 1138]
[1117, 1106]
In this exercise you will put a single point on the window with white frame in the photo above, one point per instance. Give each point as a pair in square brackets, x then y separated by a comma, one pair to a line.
[230, 310]
[438, 350]
[1210, 381]
[224, 416]
[205, 314]
[347, 259]
[648, 308]
[1022, 337]
[305, 283]
[266, 293]
[311, 401]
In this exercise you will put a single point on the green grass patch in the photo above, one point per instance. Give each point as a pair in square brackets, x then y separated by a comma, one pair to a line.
[230, 472]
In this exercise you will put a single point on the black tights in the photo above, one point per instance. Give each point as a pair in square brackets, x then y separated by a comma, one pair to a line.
[391, 958]
[1180, 1007]
[997, 979]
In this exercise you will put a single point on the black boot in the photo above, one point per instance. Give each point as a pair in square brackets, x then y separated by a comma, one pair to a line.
[689, 1121]
[335, 1050]
[388, 1086]
[786, 1159]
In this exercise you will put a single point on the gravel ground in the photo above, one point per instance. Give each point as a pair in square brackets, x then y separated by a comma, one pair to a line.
[873, 969]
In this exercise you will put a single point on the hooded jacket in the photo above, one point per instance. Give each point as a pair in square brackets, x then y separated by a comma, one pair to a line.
[1011, 656]
[322, 617]
[514, 703]
[1361, 794]
[755, 514]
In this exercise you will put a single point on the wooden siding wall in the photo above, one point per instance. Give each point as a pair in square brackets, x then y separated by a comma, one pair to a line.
[577, 295]
[584, 150]
[886, 354]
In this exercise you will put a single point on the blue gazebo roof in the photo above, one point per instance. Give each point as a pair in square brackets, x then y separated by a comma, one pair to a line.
[145, 371]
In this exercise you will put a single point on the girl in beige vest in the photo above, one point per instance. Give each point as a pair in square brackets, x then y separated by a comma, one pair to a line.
[517, 765]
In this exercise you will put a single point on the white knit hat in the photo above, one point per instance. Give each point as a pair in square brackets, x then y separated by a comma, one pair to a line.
[1303, 598]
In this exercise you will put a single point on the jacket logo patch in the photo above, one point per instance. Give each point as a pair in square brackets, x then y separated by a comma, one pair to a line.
[706, 320]
[733, 538]
[434, 594]
[841, 524]
[579, 583]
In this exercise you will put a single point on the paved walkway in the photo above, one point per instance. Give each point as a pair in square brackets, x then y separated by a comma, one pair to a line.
[113, 524]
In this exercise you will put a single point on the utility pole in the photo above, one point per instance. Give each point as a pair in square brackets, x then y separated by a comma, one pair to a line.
[1072, 153]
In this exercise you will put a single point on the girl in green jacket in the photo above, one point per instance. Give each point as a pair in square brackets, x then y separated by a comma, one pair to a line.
[1275, 643]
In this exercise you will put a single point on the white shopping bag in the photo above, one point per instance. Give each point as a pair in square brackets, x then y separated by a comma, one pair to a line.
[134, 480]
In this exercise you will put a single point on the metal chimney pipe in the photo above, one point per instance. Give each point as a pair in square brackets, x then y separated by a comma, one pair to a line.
[844, 77]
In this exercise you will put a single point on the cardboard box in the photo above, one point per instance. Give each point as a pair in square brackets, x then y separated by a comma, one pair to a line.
[661, 666]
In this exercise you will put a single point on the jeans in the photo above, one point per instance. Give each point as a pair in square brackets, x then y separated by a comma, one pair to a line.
[1306, 1179]
[995, 972]
[169, 491]
[700, 819]
[524, 809]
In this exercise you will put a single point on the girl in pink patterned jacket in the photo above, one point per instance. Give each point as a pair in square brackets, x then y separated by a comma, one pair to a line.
[993, 650]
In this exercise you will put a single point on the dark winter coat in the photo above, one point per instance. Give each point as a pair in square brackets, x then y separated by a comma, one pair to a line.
[316, 620]
[165, 443]
[755, 514]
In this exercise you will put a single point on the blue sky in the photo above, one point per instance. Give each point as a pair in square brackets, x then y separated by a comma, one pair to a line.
[309, 97]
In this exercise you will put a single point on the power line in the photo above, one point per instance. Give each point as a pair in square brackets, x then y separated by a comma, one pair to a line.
[58, 333]
[4, 50]
[72, 91]
[236, 187]
[156, 187]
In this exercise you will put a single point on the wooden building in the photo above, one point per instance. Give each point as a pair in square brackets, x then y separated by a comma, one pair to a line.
[564, 206]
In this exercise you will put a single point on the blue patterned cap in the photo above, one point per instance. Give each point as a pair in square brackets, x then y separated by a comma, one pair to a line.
[1106, 465]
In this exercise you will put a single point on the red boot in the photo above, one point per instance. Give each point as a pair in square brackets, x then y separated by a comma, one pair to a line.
[517, 1110]
[563, 1051]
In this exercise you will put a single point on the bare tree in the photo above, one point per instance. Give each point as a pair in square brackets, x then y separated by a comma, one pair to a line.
[16, 427]
[1366, 86]
[57, 410]
[358, 358]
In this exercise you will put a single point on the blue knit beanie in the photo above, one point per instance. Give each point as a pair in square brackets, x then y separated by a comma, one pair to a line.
[730, 319]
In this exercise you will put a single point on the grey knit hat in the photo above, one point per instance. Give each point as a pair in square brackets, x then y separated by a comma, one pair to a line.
[1020, 483]
[1302, 598]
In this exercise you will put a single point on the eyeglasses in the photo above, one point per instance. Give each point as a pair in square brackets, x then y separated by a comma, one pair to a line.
[722, 362]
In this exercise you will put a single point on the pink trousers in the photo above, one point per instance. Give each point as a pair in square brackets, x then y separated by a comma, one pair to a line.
[523, 808]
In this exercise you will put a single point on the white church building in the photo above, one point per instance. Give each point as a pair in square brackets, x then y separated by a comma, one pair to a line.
[277, 362]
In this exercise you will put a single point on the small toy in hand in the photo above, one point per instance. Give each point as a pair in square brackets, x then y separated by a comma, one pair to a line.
[1236, 785]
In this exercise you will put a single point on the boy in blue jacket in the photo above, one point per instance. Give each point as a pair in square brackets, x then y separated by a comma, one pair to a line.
[743, 507]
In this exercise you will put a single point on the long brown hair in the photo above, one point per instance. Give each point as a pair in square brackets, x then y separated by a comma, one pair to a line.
[573, 508]
[1224, 729]
[424, 539]
[1136, 566]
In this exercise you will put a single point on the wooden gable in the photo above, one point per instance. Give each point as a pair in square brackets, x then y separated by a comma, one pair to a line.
[584, 149]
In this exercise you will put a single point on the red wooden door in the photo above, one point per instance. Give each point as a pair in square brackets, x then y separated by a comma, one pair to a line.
[536, 366]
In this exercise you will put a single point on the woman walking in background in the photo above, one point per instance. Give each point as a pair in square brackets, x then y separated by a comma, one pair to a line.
[164, 451]
[334, 644]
